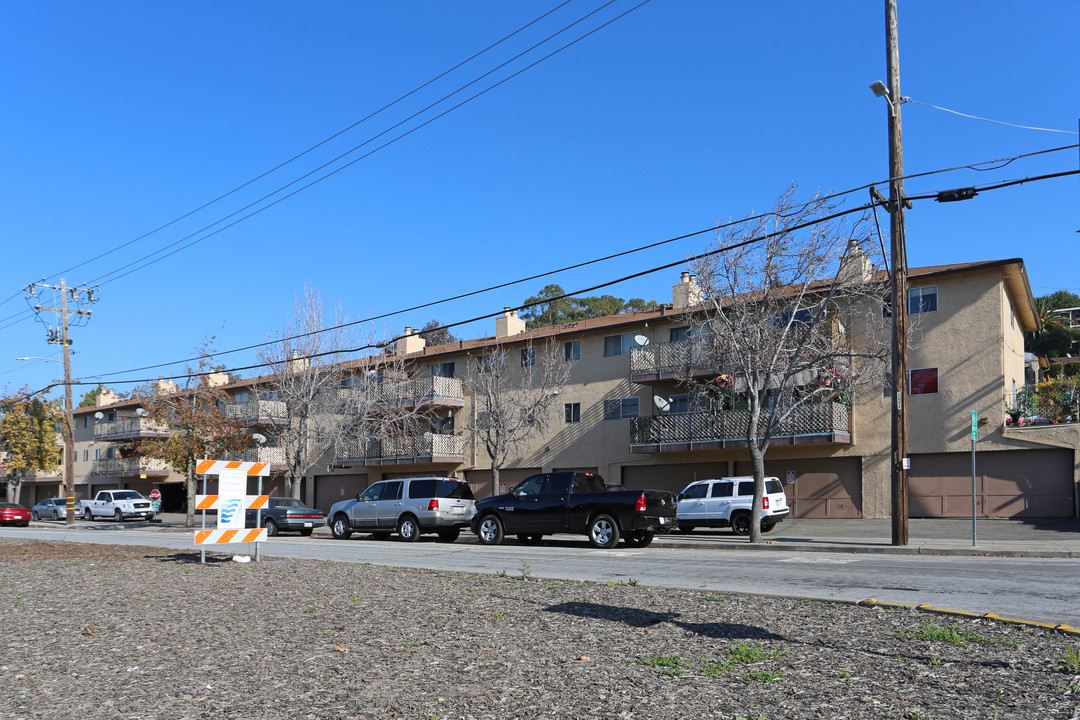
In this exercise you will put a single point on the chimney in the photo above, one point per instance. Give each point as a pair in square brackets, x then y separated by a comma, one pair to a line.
[106, 397]
[509, 324]
[215, 379]
[410, 343]
[686, 293]
[855, 267]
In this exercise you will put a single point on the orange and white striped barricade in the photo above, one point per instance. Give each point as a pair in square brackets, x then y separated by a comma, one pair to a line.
[231, 503]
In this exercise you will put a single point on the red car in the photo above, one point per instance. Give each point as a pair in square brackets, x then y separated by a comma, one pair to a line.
[13, 514]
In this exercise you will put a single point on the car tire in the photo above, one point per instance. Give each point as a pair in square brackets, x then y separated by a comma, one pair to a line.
[87, 515]
[686, 529]
[117, 516]
[603, 532]
[449, 536]
[640, 538]
[339, 528]
[526, 539]
[34, 515]
[408, 529]
[271, 527]
[767, 528]
[740, 523]
[490, 530]
[381, 535]
[306, 532]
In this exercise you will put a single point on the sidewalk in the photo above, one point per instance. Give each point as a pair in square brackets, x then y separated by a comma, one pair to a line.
[1038, 537]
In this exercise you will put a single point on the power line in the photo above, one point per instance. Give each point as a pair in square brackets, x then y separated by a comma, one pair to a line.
[976, 117]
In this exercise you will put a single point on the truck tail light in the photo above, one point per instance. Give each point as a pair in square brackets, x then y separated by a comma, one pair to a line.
[765, 502]
[433, 504]
[641, 504]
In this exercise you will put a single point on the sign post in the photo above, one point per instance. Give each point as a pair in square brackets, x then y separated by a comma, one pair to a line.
[974, 437]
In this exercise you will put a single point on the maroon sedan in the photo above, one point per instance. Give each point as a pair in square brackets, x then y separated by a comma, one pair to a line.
[13, 514]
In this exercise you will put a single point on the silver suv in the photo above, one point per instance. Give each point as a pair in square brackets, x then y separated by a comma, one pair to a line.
[728, 501]
[409, 506]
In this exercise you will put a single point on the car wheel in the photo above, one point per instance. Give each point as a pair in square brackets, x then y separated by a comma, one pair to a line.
[603, 532]
[381, 535]
[340, 528]
[686, 529]
[34, 515]
[740, 524]
[767, 528]
[306, 532]
[640, 539]
[407, 529]
[529, 539]
[490, 530]
[449, 535]
[87, 515]
[271, 527]
[117, 516]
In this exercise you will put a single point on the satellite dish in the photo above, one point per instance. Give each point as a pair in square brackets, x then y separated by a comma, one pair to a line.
[662, 403]
[140, 412]
[259, 438]
[99, 415]
[641, 340]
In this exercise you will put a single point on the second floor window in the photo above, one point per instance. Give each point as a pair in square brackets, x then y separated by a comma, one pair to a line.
[445, 369]
[572, 350]
[572, 412]
[618, 344]
[620, 408]
[676, 334]
[528, 357]
[924, 381]
[922, 300]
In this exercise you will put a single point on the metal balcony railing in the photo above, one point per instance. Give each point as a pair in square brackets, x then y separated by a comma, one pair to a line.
[272, 455]
[430, 389]
[1049, 403]
[255, 410]
[824, 420]
[678, 358]
[419, 447]
[127, 467]
[130, 427]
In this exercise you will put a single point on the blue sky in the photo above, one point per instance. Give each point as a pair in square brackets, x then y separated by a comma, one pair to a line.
[122, 117]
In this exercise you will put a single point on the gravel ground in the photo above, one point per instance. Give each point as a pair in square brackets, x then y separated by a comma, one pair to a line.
[94, 631]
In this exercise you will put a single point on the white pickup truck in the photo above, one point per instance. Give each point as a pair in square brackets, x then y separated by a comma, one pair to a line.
[118, 505]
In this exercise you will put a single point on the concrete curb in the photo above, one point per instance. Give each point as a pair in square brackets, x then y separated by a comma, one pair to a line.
[1050, 627]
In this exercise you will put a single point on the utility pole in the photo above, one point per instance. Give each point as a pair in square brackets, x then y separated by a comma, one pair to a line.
[897, 203]
[62, 338]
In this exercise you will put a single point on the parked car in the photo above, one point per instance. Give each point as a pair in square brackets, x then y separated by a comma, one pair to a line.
[574, 502]
[14, 514]
[118, 505]
[410, 507]
[723, 502]
[50, 509]
[286, 513]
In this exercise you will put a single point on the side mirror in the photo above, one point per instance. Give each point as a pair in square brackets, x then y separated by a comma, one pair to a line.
[357, 497]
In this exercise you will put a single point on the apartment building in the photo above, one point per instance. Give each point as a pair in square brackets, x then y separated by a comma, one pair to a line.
[625, 414]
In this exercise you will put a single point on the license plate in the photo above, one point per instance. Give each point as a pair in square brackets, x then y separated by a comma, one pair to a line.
[307, 524]
[457, 510]
[665, 520]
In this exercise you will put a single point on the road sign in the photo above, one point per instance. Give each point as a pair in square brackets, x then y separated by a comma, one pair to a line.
[974, 425]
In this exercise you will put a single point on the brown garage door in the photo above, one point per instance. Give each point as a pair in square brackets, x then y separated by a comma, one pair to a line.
[824, 487]
[1011, 483]
[480, 480]
[330, 489]
[670, 477]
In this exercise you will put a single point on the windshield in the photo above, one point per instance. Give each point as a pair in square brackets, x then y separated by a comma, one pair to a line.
[127, 495]
[287, 503]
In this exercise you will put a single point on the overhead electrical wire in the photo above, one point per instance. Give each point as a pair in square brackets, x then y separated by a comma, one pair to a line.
[999, 122]
[666, 266]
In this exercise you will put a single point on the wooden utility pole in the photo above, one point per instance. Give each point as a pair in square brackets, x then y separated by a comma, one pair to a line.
[899, 285]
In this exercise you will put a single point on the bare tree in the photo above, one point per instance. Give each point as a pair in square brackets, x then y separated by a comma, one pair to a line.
[790, 322]
[306, 376]
[514, 397]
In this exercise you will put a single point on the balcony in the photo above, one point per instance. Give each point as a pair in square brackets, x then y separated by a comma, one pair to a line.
[256, 412]
[669, 361]
[426, 448]
[433, 391]
[129, 467]
[274, 456]
[129, 429]
[827, 422]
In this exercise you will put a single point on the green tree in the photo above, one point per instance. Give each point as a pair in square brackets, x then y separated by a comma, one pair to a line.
[549, 307]
[90, 398]
[28, 439]
[435, 334]
[1055, 339]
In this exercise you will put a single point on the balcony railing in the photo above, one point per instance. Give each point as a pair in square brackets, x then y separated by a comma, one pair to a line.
[427, 390]
[271, 455]
[128, 467]
[1052, 402]
[415, 449]
[672, 359]
[253, 411]
[129, 428]
[812, 423]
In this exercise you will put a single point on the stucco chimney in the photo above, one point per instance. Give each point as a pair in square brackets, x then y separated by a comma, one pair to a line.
[686, 292]
[106, 397]
[855, 267]
[410, 343]
[509, 324]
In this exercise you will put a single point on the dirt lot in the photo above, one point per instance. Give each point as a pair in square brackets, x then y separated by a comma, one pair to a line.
[119, 632]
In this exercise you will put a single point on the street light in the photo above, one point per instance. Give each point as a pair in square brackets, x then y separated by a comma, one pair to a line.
[35, 357]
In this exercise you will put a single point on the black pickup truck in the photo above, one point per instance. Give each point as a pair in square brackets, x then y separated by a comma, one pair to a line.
[574, 502]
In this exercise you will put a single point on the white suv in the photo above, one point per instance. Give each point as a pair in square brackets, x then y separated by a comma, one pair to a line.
[728, 501]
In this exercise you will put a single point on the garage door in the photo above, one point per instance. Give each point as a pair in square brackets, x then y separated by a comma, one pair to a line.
[480, 480]
[670, 477]
[330, 489]
[1008, 484]
[824, 487]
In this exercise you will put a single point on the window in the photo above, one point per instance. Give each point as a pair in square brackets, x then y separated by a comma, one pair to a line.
[528, 357]
[490, 362]
[572, 412]
[445, 369]
[621, 408]
[86, 421]
[392, 491]
[722, 489]
[240, 397]
[618, 344]
[572, 350]
[373, 493]
[922, 300]
[676, 334]
[97, 453]
[85, 455]
[484, 420]
[695, 492]
[443, 426]
[269, 395]
[111, 417]
[924, 381]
